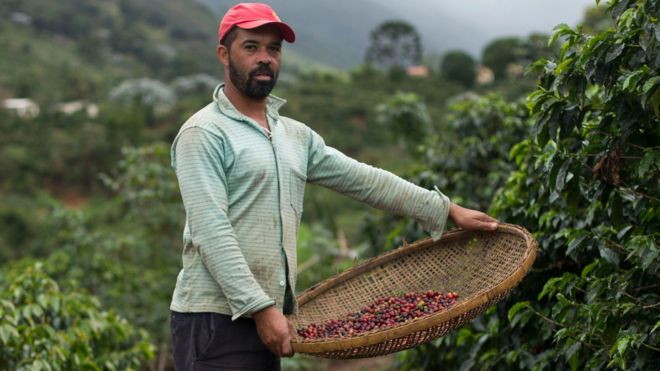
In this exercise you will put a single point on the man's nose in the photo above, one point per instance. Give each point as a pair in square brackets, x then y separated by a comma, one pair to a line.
[264, 57]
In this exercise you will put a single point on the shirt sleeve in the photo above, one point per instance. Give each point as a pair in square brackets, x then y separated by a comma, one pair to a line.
[379, 188]
[202, 181]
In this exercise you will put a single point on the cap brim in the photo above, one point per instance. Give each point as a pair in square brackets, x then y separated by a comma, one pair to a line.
[287, 32]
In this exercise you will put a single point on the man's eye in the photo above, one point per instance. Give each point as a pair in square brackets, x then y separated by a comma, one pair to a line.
[250, 47]
[275, 49]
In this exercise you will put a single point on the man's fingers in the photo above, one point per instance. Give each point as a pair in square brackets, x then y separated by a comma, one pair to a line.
[287, 350]
[491, 226]
[487, 222]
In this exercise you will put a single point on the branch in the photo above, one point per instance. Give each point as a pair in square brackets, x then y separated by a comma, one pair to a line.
[638, 194]
[643, 304]
[615, 246]
[645, 287]
[651, 347]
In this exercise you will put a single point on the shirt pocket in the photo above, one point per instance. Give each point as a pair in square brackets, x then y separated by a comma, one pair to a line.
[297, 182]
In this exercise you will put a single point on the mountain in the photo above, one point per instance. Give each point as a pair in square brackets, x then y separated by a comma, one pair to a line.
[337, 33]
[67, 49]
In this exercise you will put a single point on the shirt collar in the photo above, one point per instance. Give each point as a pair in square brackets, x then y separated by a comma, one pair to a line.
[273, 105]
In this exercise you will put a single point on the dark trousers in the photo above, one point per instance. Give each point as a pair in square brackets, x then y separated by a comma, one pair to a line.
[212, 341]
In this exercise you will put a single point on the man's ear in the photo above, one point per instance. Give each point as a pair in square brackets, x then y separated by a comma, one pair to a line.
[223, 55]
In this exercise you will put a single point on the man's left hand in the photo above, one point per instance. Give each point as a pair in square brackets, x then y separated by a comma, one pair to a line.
[472, 219]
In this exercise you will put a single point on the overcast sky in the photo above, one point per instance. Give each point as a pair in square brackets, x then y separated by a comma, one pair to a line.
[479, 22]
[515, 17]
[506, 17]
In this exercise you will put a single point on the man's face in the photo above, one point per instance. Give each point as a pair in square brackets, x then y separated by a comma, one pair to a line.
[254, 61]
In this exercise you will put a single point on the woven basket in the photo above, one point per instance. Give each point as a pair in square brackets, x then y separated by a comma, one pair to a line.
[481, 267]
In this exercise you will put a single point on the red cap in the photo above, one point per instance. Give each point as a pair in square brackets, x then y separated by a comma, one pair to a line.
[252, 15]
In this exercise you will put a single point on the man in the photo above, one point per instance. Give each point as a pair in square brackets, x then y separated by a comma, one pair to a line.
[242, 169]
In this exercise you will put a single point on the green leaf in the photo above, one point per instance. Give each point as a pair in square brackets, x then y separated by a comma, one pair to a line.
[621, 345]
[562, 66]
[650, 83]
[7, 332]
[575, 242]
[609, 255]
[534, 99]
[655, 102]
[614, 52]
[631, 81]
[572, 350]
[561, 175]
[657, 326]
[517, 308]
[549, 288]
[649, 257]
[560, 30]
[623, 231]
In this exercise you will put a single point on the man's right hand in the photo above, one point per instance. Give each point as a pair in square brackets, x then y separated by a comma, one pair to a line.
[274, 330]
[473, 220]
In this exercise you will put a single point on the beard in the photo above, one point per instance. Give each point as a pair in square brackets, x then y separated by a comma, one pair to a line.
[245, 83]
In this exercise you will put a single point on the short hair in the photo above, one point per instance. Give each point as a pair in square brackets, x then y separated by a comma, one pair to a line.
[229, 38]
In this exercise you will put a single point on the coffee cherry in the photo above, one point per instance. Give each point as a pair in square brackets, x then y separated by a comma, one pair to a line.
[382, 313]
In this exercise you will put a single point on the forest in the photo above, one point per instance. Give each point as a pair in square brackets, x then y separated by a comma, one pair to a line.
[563, 138]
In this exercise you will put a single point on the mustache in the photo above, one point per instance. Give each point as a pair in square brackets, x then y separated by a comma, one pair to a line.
[263, 69]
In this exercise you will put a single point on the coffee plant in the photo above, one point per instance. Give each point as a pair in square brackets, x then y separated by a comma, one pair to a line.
[45, 328]
[587, 184]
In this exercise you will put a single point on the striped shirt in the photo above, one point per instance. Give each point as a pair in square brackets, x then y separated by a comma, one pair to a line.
[242, 189]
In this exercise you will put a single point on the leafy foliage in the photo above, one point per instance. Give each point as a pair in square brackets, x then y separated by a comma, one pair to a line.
[498, 54]
[44, 328]
[587, 185]
[466, 159]
[405, 117]
[459, 66]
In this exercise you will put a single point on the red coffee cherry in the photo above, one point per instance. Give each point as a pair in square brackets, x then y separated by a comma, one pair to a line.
[382, 313]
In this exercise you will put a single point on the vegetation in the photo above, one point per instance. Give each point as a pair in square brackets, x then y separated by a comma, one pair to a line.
[587, 183]
[394, 44]
[42, 327]
[460, 67]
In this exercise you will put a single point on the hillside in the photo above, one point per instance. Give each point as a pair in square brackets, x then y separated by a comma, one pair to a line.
[65, 50]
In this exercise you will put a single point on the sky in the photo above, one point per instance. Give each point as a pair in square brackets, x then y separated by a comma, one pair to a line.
[514, 17]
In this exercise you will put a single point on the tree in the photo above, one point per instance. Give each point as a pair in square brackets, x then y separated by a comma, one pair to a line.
[596, 19]
[536, 47]
[500, 53]
[394, 44]
[458, 66]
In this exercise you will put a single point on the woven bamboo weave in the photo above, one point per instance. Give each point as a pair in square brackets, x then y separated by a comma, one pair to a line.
[481, 267]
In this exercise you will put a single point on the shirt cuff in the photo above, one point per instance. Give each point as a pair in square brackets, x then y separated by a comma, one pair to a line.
[249, 310]
[437, 226]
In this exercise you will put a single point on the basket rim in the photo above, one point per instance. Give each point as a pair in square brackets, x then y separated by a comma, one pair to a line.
[423, 323]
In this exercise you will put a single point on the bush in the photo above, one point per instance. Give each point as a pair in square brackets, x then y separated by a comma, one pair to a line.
[587, 184]
[42, 327]
[459, 66]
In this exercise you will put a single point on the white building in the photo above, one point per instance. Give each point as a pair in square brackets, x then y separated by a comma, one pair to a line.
[69, 108]
[22, 107]
[485, 75]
